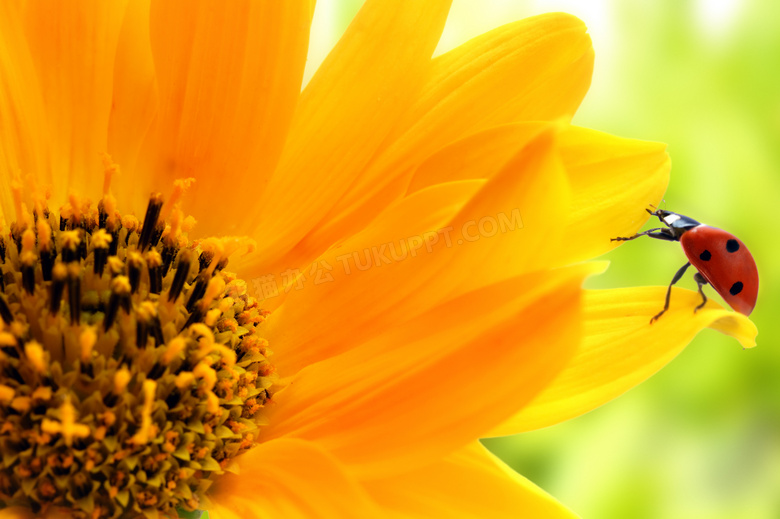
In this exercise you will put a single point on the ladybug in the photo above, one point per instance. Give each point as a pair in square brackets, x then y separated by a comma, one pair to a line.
[722, 260]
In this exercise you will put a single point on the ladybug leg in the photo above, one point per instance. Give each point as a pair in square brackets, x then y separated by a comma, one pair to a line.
[700, 281]
[675, 279]
[659, 233]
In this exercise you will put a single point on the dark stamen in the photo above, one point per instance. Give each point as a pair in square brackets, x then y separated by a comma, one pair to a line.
[195, 317]
[51, 383]
[101, 255]
[28, 258]
[102, 215]
[180, 277]
[5, 310]
[74, 295]
[59, 275]
[70, 247]
[120, 292]
[83, 242]
[222, 263]
[198, 290]
[204, 260]
[19, 346]
[141, 333]
[173, 399]
[154, 264]
[127, 304]
[28, 277]
[101, 240]
[134, 265]
[87, 369]
[150, 221]
[110, 399]
[16, 236]
[156, 371]
[13, 373]
[146, 314]
[47, 262]
[113, 247]
[156, 328]
[168, 254]
[157, 234]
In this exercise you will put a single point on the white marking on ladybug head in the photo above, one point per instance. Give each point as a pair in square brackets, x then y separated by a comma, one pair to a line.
[669, 219]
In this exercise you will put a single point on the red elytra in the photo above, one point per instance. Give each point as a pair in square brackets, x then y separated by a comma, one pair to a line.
[725, 263]
[722, 260]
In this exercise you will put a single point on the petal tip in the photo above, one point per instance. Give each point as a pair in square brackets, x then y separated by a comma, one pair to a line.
[564, 18]
[736, 325]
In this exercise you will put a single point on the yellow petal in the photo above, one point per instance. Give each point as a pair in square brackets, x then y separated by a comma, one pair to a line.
[613, 180]
[429, 386]
[515, 223]
[621, 349]
[229, 76]
[345, 113]
[390, 257]
[537, 69]
[480, 155]
[291, 479]
[133, 107]
[73, 45]
[448, 246]
[534, 69]
[471, 483]
[23, 131]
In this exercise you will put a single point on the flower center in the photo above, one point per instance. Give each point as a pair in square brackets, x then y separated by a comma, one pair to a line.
[130, 368]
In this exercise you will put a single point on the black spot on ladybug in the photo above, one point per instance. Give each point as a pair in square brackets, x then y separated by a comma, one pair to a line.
[705, 256]
[732, 246]
[736, 288]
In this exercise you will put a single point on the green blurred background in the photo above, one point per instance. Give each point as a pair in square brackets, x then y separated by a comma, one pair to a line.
[701, 439]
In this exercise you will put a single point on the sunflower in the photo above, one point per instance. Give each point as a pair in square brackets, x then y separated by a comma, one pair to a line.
[305, 304]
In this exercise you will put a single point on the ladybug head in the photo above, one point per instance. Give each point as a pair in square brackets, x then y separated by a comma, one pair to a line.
[678, 223]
